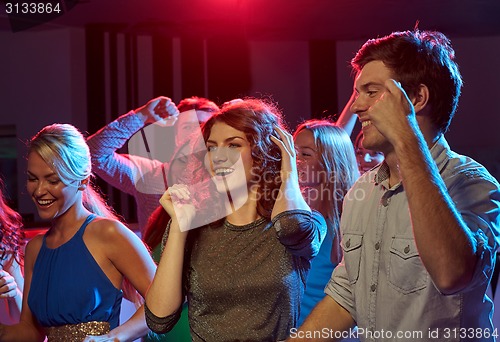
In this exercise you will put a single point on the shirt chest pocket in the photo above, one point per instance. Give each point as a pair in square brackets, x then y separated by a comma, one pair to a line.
[405, 270]
[351, 245]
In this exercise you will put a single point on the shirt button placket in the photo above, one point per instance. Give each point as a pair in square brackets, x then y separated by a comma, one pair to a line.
[381, 219]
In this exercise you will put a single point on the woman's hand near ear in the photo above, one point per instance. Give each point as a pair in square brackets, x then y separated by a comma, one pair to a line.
[290, 196]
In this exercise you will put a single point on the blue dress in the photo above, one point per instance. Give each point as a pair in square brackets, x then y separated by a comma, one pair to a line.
[319, 275]
[69, 287]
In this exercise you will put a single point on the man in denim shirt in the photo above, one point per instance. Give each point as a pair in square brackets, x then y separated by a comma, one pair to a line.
[419, 231]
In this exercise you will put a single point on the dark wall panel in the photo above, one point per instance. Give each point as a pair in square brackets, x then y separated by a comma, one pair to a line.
[96, 100]
[323, 71]
[102, 61]
[228, 69]
[192, 67]
[162, 66]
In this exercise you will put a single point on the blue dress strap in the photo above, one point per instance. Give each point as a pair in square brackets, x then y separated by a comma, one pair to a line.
[89, 219]
[80, 231]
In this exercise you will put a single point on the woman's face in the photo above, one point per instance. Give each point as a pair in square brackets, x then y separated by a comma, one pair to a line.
[308, 159]
[229, 158]
[50, 195]
[368, 159]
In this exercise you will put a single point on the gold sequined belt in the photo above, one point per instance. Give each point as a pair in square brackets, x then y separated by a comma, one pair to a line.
[76, 332]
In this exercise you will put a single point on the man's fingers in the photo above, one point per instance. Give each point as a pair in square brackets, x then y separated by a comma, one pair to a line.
[393, 86]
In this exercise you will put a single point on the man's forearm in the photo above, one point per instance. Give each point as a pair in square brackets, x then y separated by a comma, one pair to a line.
[327, 314]
[444, 242]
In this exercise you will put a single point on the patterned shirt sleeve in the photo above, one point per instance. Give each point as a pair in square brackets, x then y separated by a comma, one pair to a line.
[128, 173]
[476, 195]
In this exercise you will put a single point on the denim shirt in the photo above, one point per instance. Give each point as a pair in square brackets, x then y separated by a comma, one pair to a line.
[383, 283]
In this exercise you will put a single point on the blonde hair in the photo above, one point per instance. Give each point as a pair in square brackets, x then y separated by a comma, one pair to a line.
[337, 157]
[64, 149]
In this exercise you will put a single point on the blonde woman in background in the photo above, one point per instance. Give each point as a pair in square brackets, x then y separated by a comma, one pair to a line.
[327, 169]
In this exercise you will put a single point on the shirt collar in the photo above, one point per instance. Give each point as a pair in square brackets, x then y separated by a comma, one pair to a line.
[382, 173]
[440, 153]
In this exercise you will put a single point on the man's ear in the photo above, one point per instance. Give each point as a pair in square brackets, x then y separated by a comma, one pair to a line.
[421, 98]
[83, 184]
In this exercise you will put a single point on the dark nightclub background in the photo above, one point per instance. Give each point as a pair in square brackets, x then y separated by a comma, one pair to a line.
[96, 59]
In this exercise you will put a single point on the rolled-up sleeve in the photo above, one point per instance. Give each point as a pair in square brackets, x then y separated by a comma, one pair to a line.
[300, 231]
[477, 197]
[339, 288]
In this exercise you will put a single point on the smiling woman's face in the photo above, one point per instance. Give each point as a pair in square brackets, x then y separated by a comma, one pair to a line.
[51, 196]
[308, 161]
[229, 158]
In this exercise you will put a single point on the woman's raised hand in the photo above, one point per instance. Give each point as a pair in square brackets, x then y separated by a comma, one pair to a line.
[288, 155]
[177, 202]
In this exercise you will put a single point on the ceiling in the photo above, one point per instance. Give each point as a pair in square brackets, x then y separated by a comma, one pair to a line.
[276, 19]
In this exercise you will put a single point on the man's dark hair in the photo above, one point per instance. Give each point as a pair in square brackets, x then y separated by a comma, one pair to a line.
[415, 58]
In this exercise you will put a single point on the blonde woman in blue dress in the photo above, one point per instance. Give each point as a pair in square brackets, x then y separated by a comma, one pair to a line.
[74, 273]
